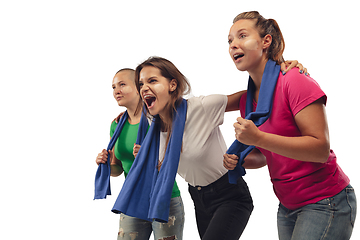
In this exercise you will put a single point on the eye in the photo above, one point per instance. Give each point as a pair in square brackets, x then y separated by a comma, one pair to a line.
[242, 35]
[230, 41]
[141, 84]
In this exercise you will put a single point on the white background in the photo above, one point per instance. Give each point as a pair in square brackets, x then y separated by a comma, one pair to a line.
[57, 61]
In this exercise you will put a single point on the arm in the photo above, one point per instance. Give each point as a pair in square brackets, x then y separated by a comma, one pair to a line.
[255, 159]
[312, 146]
[234, 101]
[115, 164]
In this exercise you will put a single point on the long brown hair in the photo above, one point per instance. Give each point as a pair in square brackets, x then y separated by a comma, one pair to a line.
[170, 72]
[265, 27]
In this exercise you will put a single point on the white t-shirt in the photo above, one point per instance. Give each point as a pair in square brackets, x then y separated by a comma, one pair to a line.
[201, 159]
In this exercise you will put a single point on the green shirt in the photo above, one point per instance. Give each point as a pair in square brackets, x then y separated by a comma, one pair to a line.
[124, 145]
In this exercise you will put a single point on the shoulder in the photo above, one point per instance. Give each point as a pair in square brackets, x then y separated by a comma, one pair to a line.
[112, 127]
[299, 90]
[210, 100]
[297, 80]
[209, 108]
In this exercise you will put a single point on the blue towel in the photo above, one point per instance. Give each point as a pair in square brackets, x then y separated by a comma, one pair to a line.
[102, 177]
[146, 193]
[261, 114]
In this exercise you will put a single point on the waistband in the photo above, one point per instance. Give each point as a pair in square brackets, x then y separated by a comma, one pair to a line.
[218, 184]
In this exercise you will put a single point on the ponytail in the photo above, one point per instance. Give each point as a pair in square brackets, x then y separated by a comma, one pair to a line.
[265, 27]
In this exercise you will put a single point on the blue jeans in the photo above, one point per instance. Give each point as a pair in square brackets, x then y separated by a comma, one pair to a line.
[131, 228]
[330, 218]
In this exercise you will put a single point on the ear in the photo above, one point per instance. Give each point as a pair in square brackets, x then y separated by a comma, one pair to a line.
[267, 40]
[173, 85]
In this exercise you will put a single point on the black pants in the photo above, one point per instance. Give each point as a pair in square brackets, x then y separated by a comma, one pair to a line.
[222, 209]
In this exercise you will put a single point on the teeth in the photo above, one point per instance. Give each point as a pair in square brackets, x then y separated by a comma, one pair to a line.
[148, 96]
[236, 56]
[149, 99]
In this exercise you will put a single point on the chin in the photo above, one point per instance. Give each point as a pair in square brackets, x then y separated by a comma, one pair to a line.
[152, 112]
[240, 68]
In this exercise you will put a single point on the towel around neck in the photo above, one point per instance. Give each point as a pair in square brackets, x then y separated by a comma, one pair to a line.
[261, 114]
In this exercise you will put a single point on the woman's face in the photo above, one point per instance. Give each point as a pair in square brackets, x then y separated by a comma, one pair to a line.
[125, 92]
[155, 90]
[245, 45]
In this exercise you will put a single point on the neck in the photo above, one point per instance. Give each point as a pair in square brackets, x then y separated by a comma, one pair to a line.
[133, 118]
[257, 73]
[166, 119]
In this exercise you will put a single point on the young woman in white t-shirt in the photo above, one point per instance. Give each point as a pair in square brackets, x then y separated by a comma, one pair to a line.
[222, 209]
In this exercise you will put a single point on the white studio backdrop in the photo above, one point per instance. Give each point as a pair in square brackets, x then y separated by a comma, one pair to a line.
[57, 61]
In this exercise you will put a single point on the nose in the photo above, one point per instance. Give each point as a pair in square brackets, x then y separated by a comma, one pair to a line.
[144, 88]
[117, 90]
[233, 45]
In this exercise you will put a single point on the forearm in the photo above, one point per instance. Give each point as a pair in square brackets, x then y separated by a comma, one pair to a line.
[234, 101]
[254, 160]
[115, 166]
[302, 148]
[116, 170]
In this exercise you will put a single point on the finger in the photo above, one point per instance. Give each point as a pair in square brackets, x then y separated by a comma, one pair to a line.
[306, 72]
[232, 156]
[228, 165]
[241, 120]
[300, 67]
[289, 65]
[283, 66]
[231, 159]
[292, 65]
[231, 162]
[100, 160]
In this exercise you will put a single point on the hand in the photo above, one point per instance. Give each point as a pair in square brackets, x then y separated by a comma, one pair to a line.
[118, 117]
[136, 149]
[102, 157]
[289, 64]
[246, 131]
[230, 161]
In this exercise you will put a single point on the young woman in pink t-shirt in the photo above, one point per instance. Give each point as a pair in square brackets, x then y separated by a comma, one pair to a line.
[316, 200]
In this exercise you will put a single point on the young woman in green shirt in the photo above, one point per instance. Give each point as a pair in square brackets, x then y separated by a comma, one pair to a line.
[122, 158]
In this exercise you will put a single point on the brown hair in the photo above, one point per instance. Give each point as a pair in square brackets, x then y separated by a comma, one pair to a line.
[265, 27]
[170, 72]
[132, 77]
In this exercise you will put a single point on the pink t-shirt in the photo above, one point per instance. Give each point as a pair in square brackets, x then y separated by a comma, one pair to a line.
[297, 183]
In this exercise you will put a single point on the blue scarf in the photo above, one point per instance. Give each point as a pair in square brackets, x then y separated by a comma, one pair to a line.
[261, 114]
[102, 177]
[146, 193]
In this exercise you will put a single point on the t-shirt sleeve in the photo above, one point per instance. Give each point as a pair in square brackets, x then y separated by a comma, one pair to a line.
[112, 128]
[301, 91]
[214, 107]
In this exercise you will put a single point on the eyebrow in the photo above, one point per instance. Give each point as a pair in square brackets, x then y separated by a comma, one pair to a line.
[237, 32]
[117, 83]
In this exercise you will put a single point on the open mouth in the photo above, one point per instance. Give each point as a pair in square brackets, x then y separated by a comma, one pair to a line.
[149, 100]
[238, 56]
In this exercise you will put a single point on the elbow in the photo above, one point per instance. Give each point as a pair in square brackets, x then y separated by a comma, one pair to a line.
[323, 153]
